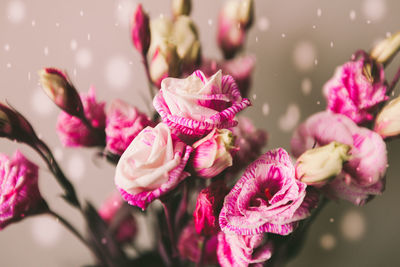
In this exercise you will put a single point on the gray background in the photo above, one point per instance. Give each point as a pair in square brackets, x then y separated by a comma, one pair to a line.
[297, 44]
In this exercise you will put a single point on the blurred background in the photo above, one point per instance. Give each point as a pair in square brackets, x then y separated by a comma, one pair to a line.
[298, 45]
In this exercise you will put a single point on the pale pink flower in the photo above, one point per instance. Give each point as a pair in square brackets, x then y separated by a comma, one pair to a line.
[190, 243]
[124, 122]
[19, 190]
[140, 30]
[366, 169]
[151, 166]
[126, 228]
[208, 205]
[73, 132]
[241, 251]
[213, 153]
[196, 105]
[350, 92]
[267, 198]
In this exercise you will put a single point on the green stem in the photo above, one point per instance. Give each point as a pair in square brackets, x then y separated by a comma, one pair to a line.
[149, 81]
[170, 228]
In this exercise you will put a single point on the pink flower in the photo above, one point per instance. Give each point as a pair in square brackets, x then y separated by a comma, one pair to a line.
[231, 37]
[112, 210]
[241, 251]
[240, 68]
[267, 198]
[364, 174]
[73, 132]
[140, 30]
[212, 154]
[124, 123]
[151, 166]
[208, 205]
[19, 190]
[250, 142]
[196, 105]
[354, 93]
[189, 246]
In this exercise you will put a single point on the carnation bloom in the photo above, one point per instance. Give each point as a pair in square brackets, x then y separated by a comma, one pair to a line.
[73, 132]
[19, 190]
[151, 166]
[124, 122]
[355, 93]
[196, 105]
[364, 173]
[267, 198]
[249, 141]
[241, 251]
[110, 211]
[190, 246]
[208, 205]
[212, 154]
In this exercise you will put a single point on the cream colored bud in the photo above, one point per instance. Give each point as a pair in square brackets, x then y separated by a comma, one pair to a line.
[181, 7]
[387, 123]
[165, 63]
[316, 166]
[246, 13]
[386, 49]
[184, 35]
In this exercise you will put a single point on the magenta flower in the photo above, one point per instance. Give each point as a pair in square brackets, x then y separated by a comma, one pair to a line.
[190, 243]
[213, 153]
[124, 122]
[151, 166]
[19, 190]
[241, 251]
[140, 30]
[126, 229]
[355, 94]
[267, 198]
[364, 174]
[250, 142]
[73, 132]
[196, 105]
[208, 205]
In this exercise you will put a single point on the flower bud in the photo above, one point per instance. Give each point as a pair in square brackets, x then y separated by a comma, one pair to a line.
[208, 206]
[5, 126]
[213, 153]
[387, 122]
[19, 190]
[164, 63]
[61, 91]
[385, 50]
[140, 30]
[316, 166]
[181, 7]
[246, 13]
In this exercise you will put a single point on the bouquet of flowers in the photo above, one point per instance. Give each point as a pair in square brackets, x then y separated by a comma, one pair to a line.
[196, 167]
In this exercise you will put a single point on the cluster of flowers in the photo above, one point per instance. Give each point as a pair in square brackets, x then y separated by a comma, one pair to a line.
[195, 145]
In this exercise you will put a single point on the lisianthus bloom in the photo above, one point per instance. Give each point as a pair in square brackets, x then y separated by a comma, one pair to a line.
[190, 245]
[124, 122]
[19, 190]
[356, 89]
[110, 211]
[240, 68]
[365, 171]
[196, 105]
[387, 123]
[249, 141]
[73, 132]
[267, 198]
[241, 251]
[213, 153]
[151, 166]
[140, 30]
[208, 205]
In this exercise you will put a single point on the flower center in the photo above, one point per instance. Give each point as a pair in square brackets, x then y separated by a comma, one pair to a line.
[267, 193]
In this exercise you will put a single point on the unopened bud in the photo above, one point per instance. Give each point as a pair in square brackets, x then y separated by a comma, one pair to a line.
[181, 7]
[5, 126]
[245, 13]
[57, 86]
[316, 166]
[385, 50]
[387, 122]
[140, 30]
